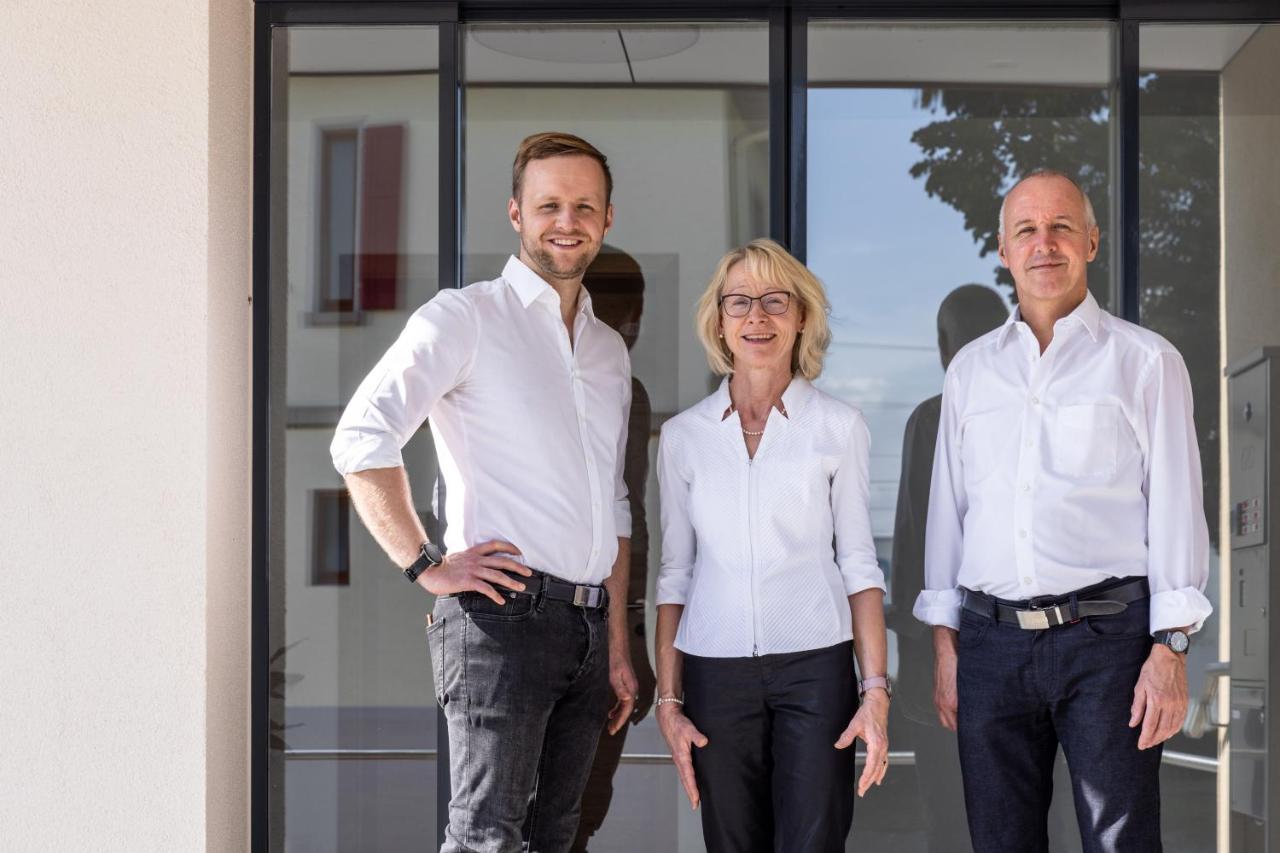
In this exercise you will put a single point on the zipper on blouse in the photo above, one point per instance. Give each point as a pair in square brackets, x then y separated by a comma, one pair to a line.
[751, 554]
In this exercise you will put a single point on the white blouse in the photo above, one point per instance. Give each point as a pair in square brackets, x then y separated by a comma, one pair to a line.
[763, 553]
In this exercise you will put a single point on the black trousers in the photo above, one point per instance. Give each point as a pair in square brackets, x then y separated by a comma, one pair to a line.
[770, 777]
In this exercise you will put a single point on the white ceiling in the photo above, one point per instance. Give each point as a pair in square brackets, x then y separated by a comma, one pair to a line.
[1187, 47]
[726, 54]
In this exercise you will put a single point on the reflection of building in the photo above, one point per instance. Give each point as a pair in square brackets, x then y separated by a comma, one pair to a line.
[129, 171]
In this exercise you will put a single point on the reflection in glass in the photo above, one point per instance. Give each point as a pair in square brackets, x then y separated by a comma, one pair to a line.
[681, 111]
[915, 132]
[968, 312]
[354, 215]
[1206, 282]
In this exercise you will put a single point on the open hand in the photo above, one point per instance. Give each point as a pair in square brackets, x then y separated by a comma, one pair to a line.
[871, 723]
[682, 736]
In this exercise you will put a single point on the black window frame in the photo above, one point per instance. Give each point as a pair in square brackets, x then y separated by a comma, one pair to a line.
[788, 32]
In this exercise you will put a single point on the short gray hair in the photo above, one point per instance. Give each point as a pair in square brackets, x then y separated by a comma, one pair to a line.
[1090, 220]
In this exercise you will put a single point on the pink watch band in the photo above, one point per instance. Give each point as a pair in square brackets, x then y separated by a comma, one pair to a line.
[875, 681]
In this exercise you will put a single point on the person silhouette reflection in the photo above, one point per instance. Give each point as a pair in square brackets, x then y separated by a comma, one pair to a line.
[966, 313]
[616, 285]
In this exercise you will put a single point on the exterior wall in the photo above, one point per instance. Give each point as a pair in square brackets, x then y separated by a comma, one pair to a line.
[1250, 187]
[124, 334]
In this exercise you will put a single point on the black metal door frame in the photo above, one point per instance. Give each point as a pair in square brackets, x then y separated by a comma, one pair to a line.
[788, 82]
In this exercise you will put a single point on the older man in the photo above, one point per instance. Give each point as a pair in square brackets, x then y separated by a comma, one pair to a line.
[1066, 547]
[528, 395]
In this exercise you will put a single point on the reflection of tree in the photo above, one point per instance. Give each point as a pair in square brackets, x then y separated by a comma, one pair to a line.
[990, 136]
[993, 135]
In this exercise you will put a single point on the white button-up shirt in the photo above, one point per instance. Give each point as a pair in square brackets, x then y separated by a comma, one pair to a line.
[763, 553]
[529, 432]
[1057, 471]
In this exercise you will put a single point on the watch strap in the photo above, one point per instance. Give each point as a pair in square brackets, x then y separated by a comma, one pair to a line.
[882, 681]
[429, 556]
[1174, 640]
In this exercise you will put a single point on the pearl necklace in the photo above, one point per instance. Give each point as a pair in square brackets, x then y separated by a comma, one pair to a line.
[781, 408]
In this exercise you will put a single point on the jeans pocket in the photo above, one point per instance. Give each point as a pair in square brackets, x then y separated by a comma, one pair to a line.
[515, 607]
[436, 648]
[1128, 624]
[972, 629]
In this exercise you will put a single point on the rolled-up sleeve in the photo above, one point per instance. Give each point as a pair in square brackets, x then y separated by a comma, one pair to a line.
[621, 503]
[431, 356]
[851, 514]
[939, 601]
[1177, 534]
[679, 543]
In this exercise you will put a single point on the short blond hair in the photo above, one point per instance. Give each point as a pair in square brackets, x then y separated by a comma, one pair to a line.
[767, 261]
[541, 146]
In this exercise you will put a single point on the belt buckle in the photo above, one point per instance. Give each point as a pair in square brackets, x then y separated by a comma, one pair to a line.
[1033, 620]
[586, 596]
[1037, 618]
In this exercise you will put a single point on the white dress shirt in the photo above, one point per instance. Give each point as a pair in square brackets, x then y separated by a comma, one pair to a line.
[747, 544]
[1057, 471]
[529, 432]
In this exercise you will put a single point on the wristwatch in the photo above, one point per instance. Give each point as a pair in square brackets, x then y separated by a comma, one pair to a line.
[429, 556]
[1178, 641]
[876, 681]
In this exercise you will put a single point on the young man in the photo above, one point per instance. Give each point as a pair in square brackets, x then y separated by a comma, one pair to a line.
[1066, 547]
[528, 395]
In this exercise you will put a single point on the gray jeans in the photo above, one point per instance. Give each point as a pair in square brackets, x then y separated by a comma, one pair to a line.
[525, 691]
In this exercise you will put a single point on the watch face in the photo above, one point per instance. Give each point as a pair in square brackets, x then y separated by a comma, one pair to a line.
[1179, 641]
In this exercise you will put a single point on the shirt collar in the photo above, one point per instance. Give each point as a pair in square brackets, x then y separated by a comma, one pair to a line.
[798, 393]
[1088, 313]
[531, 287]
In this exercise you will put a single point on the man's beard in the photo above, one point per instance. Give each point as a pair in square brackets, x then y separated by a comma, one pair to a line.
[552, 267]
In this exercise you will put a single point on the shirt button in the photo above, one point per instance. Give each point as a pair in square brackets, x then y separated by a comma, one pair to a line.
[1030, 443]
[1022, 534]
[1026, 581]
[1035, 401]
[1026, 487]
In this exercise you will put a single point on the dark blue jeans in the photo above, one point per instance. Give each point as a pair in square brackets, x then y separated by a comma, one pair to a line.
[525, 691]
[1022, 693]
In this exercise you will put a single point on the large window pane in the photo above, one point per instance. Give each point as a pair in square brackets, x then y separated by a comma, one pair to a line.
[681, 111]
[1210, 123]
[355, 231]
[915, 132]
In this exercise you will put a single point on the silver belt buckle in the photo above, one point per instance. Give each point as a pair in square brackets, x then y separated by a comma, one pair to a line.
[1038, 620]
[586, 596]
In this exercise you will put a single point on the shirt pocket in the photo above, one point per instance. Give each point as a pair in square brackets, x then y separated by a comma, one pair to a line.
[984, 442]
[1084, 442]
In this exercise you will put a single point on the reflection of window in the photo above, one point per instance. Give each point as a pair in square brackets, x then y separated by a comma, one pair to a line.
[359, 240]
[330, 537]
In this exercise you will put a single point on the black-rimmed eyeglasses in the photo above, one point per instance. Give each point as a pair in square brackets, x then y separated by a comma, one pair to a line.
[739, 304]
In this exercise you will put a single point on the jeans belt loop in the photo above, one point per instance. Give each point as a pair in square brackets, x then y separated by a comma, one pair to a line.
[1075, 609]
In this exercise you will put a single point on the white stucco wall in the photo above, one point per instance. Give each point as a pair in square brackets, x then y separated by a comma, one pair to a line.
[124, 431]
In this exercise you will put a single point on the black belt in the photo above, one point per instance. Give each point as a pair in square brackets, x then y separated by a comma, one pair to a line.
[578, 594]
[1048, 611]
